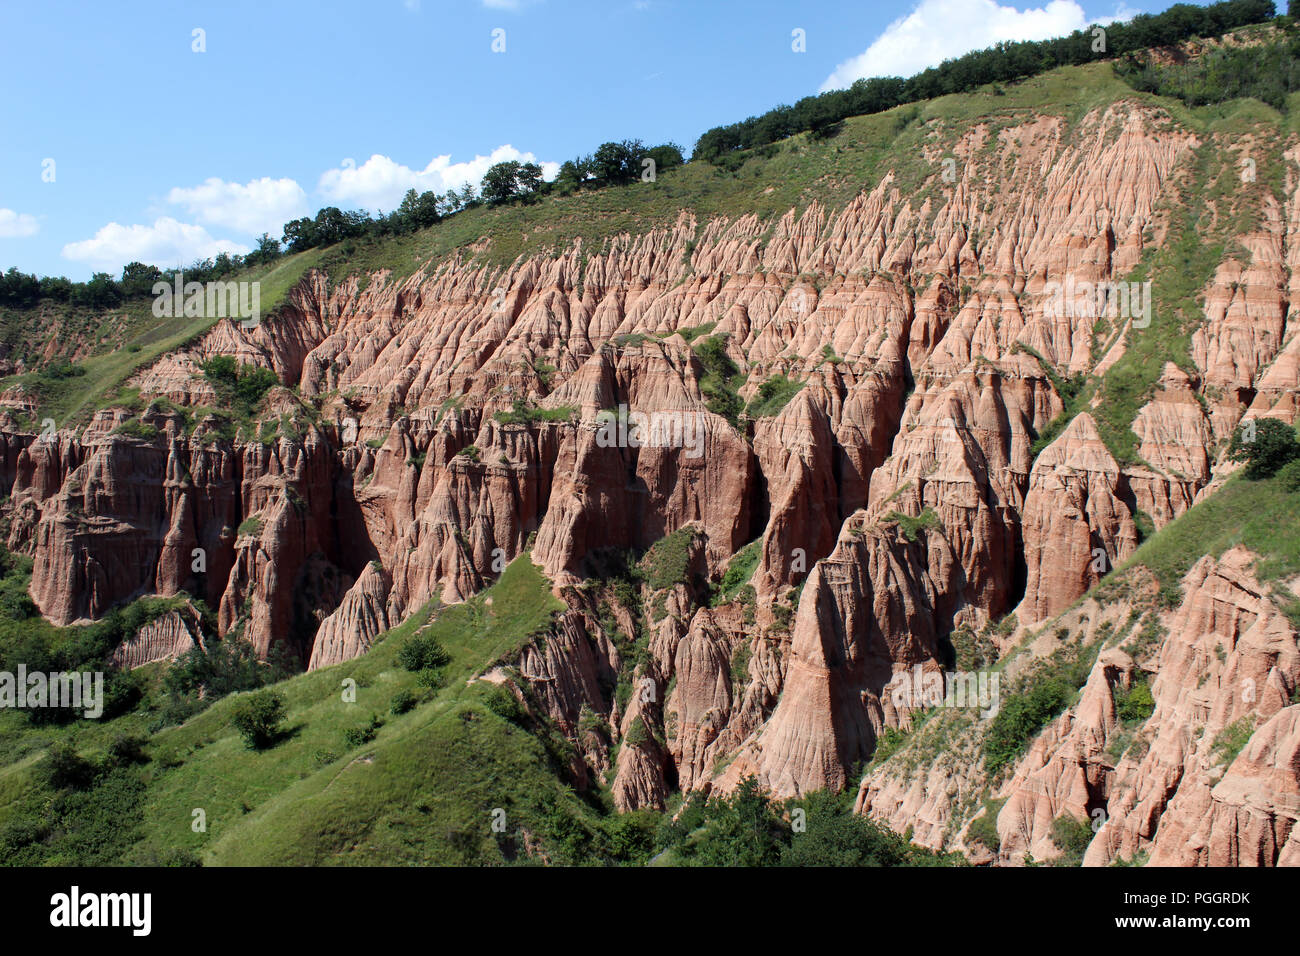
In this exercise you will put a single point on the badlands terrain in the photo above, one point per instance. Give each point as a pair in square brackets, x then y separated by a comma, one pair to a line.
[909, 461]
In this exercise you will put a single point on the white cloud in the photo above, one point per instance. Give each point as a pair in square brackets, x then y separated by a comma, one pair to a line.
[165, 243]
[15, 225]
[938, 30]
[380, 183]
[263, 205]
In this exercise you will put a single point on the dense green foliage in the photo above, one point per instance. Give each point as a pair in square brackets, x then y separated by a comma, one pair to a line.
[239, 387]
[720, 380]
[911, 526]
[616, 164]
[999, 64]
[203, 675]
[1071, 836]
[28, 639]
[1232, 739]
[773, 395]
[740, 569]
[525, 413]
[749, 828]
[1288, 476]
[984, 828]
[668, 560]
[22, 291]
[1268, 72]
[510, 180]
[1134, 704]
[258, 717]
[83, 812]
[1037, 698]
[1265, 444]
[421, 652]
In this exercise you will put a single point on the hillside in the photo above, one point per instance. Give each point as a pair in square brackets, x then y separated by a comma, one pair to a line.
[887, 448]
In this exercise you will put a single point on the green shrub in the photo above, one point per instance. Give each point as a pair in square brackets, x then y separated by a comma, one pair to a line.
[125, 750]
[431, 678]
[1135, 704]
[134, 428]
[1273, 445]
[740, 668]
[927, 520]
[637, 734]
[740, 569]
[402, 702]
[65, 769]
[525, 413]
[504, 704]
[984, 829]
[773, 395]
[239, 387]
[721, 376]
[258, 718]
[356, 736]
[1071, 836]
[204, 675]
[1228, 743]
[421, 652]
[1042, 696]
[667, 563]
[1289, 476]
[887, 744]
[1268, 72]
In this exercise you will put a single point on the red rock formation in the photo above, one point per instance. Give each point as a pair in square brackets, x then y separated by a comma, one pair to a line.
[917, 320]
[1075, 525]
[163, 639]
[1229, 662]
[355, 623]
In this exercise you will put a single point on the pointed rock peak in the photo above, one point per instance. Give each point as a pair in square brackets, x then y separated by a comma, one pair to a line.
[1173, 377]
[1079, 447]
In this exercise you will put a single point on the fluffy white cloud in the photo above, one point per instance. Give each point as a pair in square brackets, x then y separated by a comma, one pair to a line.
[15, 225]
[165, 243]
[263, 205]
[938, 30]
[380, 183]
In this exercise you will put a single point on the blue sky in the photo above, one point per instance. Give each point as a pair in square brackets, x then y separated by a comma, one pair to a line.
[165, 154]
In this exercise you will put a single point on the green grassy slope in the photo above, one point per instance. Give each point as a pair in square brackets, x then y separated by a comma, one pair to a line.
[131, 338]
[422, 790]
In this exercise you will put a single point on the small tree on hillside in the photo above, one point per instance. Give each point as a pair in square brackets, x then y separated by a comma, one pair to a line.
[500, 182]
[1265, 444]
[258, 717]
